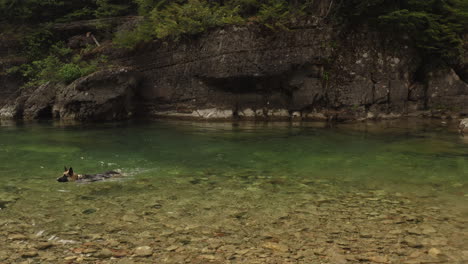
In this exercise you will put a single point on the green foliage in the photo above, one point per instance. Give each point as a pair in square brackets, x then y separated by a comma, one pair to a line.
[69, 72]
[40, 11]
[37, 42]
[130, 38]
[174, 19]
[55, 69]
[146, 6]
[191, 18]
[435, 26]
[24, 10]
[274, 14]
[78, 14]
[326, 76]
[247, 8]
[112, 8]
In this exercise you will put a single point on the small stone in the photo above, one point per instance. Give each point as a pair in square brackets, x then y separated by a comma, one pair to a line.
[104, 253]
[438, 241]
[413, 231]
[119, 253]
[17, 237]
[464, 255]
[207, 257]
[71, 258]
[172, 248]
[143, 251]
[44, 245]
[29, 254]
[320, 251]
[113, 243]
[334, 256]
[415, 255]
[89, 250]
[242, 251]
[130, 218]
[365, 235]
[379, 259]
[428, 230]
[89, 211]
[412, 242]
[156, 206]
[434, 252]
[167, 232]
[275, 246]
[395, 232]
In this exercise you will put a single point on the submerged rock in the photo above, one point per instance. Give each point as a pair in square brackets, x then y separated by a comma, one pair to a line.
[104, 253]
[275, 246]
[17, 237]
[434, 252]
[44, 245]
[144, 251]
[29, 254]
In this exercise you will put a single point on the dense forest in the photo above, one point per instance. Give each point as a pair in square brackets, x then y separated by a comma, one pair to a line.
[436, 27]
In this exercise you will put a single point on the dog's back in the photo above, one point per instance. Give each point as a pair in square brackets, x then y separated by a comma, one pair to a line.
[99, 176]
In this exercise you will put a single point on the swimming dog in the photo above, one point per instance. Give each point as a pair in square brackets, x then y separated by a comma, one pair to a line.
[70, 176]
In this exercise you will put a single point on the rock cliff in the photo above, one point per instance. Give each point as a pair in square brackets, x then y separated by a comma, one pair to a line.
[313, 71]
[310, 72]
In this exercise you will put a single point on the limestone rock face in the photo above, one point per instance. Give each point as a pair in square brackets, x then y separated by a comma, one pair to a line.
[258, 75]
[104, 95]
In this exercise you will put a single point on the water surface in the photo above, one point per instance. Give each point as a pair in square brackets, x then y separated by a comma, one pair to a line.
[226, 179]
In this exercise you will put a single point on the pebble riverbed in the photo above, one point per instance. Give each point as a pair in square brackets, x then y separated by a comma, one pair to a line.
[241, 220]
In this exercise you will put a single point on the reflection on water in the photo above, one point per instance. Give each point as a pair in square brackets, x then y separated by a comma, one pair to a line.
[242, 183]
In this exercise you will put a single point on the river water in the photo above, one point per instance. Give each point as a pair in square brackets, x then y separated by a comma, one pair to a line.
[387, 192]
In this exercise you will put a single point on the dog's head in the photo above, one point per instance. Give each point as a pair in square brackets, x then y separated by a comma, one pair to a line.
[68, 175]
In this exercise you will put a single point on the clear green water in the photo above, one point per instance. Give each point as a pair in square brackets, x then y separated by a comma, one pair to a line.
[185, 168]
[401, 153]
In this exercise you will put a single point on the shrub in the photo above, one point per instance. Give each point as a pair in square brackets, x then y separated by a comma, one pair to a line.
[69, 72]
[130, 38]
[112, 8]
[191, 18]
[274, 14]
[175, 19]
[53, 69]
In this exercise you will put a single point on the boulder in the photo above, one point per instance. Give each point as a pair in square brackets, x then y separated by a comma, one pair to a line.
[447, 92]
[103, 95]
[463, 126]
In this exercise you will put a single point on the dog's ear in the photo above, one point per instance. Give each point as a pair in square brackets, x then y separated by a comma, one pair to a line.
[65, 168]
[70, 171]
